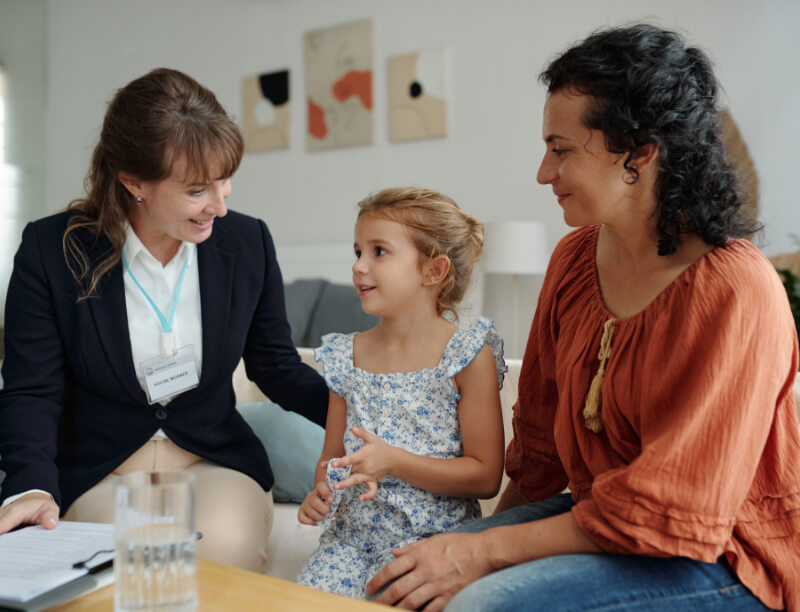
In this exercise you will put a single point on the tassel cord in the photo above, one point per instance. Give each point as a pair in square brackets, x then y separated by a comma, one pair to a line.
[591, 411]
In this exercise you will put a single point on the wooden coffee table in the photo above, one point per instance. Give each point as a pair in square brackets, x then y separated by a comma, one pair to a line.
[221, 587]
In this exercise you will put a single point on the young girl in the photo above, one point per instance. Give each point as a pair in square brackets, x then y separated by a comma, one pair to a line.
[414, 410]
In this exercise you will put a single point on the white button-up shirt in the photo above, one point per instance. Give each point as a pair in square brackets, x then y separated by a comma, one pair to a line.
[161, 282]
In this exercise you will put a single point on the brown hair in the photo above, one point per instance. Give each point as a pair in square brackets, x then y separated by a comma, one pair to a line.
[437, 227]
[150, 123]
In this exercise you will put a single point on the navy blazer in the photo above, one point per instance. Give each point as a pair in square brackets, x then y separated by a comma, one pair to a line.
[72, 409]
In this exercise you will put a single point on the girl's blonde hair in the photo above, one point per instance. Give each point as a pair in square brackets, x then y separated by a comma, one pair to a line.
[437, 226]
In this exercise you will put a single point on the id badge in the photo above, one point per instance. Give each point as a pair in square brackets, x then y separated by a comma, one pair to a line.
[171, 375]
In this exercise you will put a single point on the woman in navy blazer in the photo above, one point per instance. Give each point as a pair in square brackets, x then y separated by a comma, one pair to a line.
[72, 410]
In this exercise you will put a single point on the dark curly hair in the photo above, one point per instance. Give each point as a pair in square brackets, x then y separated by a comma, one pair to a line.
[648, 86]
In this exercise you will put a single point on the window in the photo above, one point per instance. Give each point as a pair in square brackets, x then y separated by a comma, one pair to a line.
[2, 115]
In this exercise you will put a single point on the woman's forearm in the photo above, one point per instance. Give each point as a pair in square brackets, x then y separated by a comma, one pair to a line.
[555, 535]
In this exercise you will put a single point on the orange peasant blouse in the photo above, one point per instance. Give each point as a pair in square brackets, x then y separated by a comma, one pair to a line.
[699, 451]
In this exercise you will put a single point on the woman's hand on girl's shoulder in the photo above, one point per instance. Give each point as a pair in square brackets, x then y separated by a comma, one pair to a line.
[31, 509]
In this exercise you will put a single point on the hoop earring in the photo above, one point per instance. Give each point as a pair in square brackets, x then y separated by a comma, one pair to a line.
[631, 175]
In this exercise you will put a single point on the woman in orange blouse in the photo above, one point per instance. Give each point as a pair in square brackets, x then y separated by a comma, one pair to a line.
[657, 379]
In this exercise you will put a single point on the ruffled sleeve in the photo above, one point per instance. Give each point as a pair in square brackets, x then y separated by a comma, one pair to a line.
[336, 355]
[532, 459]
[466, 344]
[714, 421]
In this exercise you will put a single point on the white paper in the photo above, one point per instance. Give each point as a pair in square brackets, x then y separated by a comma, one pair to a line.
[34, 560]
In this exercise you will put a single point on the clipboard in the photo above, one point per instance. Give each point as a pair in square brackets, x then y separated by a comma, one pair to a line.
[59, 595]
[40, 568]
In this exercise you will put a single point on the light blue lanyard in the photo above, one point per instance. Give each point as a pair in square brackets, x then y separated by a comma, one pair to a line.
[165, 324]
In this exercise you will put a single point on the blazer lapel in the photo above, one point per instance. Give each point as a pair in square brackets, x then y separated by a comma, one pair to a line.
[216, 266]
[111, 318]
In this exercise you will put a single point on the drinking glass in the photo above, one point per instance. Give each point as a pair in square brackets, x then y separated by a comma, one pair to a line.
[155, 563]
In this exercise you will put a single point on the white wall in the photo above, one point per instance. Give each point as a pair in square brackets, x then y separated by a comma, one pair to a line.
[22, 56]
[488, 163]
[22, 53]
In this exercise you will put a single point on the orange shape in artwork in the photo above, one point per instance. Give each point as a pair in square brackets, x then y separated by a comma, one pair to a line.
[355, 83]
[316, 120]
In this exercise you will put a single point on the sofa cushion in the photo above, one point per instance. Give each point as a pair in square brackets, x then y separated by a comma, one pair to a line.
[302, 297]
[293, 445]
[338, 310]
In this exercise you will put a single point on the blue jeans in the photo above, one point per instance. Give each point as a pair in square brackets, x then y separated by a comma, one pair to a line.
[599, 582]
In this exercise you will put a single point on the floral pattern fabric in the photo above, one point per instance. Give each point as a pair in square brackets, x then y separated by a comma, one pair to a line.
[416, 411]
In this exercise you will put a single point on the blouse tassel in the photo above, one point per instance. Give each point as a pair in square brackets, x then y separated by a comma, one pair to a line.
[594, 399]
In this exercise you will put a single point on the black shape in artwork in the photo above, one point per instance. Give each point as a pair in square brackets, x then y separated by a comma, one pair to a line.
[275, 87]
[415, 89]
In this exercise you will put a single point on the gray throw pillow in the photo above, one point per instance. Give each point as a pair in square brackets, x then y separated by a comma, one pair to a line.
[302, 297]
[339, 310]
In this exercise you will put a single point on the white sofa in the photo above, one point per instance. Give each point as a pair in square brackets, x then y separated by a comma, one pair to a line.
[291, 543]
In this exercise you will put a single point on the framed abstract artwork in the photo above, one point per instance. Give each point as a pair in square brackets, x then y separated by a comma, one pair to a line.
[338, 66]
[419, 93]
[266, 111]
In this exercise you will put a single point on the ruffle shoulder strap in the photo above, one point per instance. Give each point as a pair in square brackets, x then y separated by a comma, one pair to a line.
[467, 343]
[336, 355]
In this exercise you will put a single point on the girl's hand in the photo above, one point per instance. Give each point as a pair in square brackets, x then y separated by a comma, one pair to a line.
[368, 464]
[316, 505]
[30, 509]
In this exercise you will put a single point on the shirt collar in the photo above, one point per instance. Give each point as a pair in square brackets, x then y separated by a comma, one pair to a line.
[133, 247]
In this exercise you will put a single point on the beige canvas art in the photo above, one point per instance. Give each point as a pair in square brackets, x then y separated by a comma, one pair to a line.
[266, 111]
[418, 95]
[338, 62]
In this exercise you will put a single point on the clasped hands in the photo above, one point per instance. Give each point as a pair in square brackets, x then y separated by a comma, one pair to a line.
[374, 460]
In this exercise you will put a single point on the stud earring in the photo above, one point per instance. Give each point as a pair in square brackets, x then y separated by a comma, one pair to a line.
[138, 200]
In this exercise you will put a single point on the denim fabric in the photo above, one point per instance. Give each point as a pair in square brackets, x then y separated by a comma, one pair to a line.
[557, 504]
[599, 582]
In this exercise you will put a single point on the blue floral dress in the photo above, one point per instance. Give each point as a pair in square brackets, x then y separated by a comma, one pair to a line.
[416, 411]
